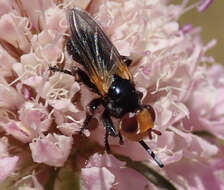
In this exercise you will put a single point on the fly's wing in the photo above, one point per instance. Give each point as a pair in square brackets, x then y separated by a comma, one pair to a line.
[90, 47]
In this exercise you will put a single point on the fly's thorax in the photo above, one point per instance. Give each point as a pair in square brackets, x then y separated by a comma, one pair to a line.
[122, 97]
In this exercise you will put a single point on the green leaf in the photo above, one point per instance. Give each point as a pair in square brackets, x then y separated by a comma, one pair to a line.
[153, 176]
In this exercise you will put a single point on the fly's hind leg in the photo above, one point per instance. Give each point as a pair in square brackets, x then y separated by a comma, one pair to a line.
[126, 60]
[56, 69]
[79, 75]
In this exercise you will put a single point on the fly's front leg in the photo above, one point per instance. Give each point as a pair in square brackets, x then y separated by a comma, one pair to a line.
[111, 130]
[94, 104]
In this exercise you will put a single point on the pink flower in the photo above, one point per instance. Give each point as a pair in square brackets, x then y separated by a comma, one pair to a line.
[52, 150]
[6, 171]
[34, 119]
[207, 112]
[6, 160]
[41, 113]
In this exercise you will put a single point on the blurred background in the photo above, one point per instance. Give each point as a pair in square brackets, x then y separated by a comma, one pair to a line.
[212, 24]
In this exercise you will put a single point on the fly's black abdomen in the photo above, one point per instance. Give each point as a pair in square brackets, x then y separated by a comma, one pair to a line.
[122, 97]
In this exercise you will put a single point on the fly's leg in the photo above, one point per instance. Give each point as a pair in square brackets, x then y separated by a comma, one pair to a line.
[107, 146]
[83, 77]
[85, 124]
[94, 104]
[111, 130]
[126, 60]
[121, 141]
[79, 75]
[108, 124]
[56, 69]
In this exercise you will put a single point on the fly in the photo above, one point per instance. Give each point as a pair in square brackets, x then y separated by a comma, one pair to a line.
[106, 73]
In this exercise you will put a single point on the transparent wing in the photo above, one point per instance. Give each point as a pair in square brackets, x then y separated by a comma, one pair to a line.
[90, 47]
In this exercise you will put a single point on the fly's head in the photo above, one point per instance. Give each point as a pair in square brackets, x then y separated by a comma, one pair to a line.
[135, 126]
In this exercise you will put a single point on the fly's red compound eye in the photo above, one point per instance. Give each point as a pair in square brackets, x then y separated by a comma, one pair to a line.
[136, 126]
[129, 123]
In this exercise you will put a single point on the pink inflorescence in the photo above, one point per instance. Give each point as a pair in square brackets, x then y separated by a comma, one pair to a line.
[41, 112]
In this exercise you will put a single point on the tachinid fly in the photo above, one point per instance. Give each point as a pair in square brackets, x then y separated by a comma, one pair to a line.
[106, 73]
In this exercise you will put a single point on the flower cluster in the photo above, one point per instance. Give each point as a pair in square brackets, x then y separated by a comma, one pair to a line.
[41, 112]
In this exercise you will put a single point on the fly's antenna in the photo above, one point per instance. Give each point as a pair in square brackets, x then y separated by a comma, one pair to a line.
[151, 153]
